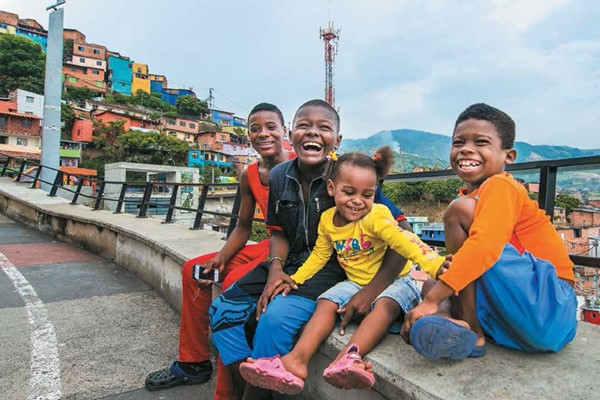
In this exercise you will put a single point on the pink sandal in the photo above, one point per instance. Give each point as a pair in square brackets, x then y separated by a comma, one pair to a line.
[269, 373]
[345, 375]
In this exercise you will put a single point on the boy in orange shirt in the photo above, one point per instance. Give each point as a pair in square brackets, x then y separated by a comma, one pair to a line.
[512, 273]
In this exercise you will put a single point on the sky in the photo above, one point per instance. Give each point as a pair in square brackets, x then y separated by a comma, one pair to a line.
[401, 63]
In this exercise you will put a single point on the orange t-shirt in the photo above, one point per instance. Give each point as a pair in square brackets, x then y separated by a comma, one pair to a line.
[259, 191]
[505, 211]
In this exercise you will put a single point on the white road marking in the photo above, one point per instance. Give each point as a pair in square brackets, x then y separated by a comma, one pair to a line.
[44, 383]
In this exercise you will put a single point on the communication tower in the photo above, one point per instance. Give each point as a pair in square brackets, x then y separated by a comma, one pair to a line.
[330, 37]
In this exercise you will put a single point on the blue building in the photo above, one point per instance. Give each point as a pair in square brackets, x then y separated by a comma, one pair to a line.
[223, 118]
[38, 37]
[120, 74]
[433, 231]
[202, 158]
[171, 95]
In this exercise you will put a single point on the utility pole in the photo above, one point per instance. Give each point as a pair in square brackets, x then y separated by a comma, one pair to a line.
[50, 156]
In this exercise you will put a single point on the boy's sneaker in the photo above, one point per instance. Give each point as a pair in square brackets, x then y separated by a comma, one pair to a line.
[179, 373]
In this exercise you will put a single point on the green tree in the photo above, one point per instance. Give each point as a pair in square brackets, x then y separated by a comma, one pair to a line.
[443, 189]
[22, 65]
[153, 101]
[402, 191]
[567, 201]
[67, 116]
[191, 106]
[259, 231]
[68, 49]
[79, 94]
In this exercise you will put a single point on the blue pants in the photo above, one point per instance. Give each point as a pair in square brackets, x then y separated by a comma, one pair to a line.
[275, 331]
[522, 304]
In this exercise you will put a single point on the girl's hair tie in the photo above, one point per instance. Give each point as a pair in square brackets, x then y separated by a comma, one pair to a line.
[376, 156]
[332, 156]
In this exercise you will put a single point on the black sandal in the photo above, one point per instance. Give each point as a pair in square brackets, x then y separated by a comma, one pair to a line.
[174, 376]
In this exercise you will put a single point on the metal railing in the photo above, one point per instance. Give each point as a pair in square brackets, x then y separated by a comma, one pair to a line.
[20, 165]
[547, 169]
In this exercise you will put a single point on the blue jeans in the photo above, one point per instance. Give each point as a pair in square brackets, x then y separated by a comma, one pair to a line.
[275, 331]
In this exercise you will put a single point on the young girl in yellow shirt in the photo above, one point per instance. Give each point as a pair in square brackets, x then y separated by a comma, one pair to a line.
[360, 232]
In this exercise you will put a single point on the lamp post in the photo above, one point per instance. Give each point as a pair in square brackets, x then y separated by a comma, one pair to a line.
[50, 156]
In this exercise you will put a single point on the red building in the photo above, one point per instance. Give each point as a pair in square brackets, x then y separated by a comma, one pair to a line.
[19, 132]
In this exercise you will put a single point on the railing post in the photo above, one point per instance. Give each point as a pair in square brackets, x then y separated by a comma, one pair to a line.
[99, 195]
[77, 191]
[37, 176]
[146, 200]
[56, 184]
[5, 166]
[171, 210]
[235, 211]
[121, 198]
[200, 210]
[21, 169]
[547, 190]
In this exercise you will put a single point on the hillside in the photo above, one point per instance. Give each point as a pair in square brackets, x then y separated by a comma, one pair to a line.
[425, 149]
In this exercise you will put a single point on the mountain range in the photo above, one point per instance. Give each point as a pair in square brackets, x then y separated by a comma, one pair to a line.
[425, 149]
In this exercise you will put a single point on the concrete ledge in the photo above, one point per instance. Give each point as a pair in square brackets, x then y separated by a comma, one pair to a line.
[155, 252]
[146, 247]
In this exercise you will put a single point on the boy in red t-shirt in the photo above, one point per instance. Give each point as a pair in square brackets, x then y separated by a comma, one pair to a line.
[512, 273]
[266, 132]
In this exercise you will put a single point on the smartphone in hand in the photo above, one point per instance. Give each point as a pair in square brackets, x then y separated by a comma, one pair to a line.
[198, 273]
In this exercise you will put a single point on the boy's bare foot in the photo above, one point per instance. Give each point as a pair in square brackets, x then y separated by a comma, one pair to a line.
[295, 366]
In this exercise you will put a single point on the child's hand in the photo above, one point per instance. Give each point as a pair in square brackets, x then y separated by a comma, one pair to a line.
[420, 311]
[275, 280]
[445, 265]
[284, 289]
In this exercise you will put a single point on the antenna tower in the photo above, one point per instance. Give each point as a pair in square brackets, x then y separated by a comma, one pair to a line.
[330, 37]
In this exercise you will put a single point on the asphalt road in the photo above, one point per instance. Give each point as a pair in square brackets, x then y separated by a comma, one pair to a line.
[75, 326]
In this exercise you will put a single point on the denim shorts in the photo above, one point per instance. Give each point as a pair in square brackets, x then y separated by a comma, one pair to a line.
[403, 291]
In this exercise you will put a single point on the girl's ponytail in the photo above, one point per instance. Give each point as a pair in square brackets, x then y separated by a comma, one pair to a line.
[383, 160]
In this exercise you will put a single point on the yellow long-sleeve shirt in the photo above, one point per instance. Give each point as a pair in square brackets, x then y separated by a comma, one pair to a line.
[360, 247]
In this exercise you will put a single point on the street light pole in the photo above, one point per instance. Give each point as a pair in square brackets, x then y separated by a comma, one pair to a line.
[52, 95]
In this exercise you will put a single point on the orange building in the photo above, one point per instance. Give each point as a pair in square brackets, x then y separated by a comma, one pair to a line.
[82, 130]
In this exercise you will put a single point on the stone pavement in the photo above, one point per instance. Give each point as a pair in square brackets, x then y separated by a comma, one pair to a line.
[87, 322]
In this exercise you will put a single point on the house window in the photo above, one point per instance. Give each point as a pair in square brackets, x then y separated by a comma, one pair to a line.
[81, 59]
[181, 123]
[98, 62]
[96, 51]
[21, 142]
[577, 233]
[80, 48]
[72, 69]
[29, 99]
[170, 122]
[187, 136]
[3, 139]
[223, 137]
[95, 72]
[73, 80]
[26, 123]
[2, 123]
[172, 133]
[192, 125]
